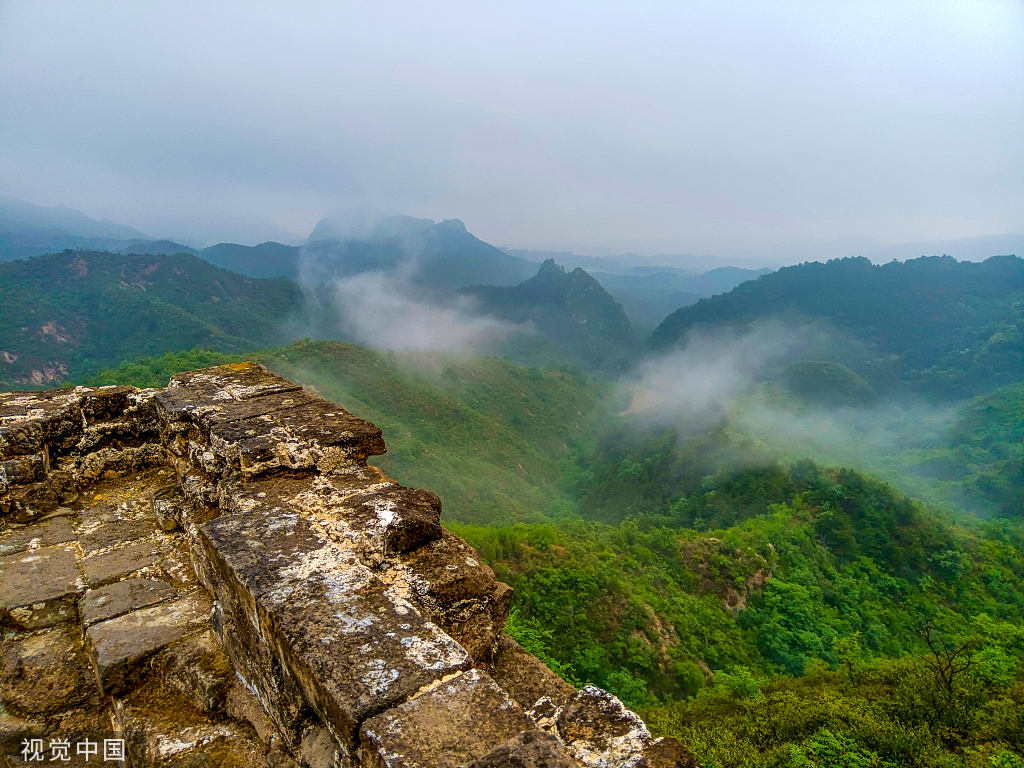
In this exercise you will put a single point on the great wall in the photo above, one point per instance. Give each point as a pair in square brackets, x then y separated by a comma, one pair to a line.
[212, 575]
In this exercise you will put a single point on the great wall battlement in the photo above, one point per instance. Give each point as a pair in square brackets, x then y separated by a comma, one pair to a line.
[212, 574]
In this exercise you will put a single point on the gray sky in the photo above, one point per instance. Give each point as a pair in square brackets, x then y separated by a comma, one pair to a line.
[678, 127]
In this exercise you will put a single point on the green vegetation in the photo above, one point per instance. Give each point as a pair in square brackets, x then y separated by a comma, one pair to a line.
[576, 317]
[826, 383]
[934, 325]
[981, 462]
[67, 315]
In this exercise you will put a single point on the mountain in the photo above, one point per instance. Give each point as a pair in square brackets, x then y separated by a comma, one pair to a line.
[935, 324]
[649, 294]
[25, 245]
[28, 230]
[67, 314]
[367, 227]
[632, 263]
[268, 259]
[578, 316]
[443, 256]
[19, 217]
[155, 247]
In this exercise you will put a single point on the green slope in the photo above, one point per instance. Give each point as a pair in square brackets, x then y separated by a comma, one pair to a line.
[268, 259]
[66, 315]
[933, 324]
[571, 311]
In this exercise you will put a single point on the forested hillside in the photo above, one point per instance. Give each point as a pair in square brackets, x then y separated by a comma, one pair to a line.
[934, 325]
[66, 315]
[572, 311]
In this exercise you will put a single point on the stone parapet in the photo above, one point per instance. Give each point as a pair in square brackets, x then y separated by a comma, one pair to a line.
[212, 574]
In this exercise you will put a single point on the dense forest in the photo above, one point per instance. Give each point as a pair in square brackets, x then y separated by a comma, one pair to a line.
[67, 315]
[934, 325]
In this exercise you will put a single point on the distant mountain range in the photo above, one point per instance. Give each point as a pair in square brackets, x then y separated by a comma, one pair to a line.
[20, 217]
[939, 325]
[649, 296]
[439, 256]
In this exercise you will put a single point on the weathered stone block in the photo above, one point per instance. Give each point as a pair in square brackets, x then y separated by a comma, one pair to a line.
[109, 402]
[57, 414]
[448, 724]
[46, 673]
[324, 425]
[161, 730]
[240, 381]
[167, 505]
[104, 537]
[56, 530]
[256, 665]
[117, 461]
[598, 730]
[176, 564]
[119, 647]
[457, 591]
[29, 502]
[665, 753]
[353, 647]
[241, 704]
[23, 469]
[320, 750]
[198, 669]
[374, 519]
[38, 588]
[109, 566]
[245, 419]
[525, 677]
[530, 749]
[120, 597]
[18, 438]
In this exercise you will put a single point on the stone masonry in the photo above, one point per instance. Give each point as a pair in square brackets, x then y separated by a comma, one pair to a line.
[212, 574]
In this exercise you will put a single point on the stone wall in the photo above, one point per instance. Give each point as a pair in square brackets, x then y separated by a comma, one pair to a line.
[213, 574]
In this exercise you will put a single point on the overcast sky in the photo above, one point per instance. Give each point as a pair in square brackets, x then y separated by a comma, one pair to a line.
[674, 127]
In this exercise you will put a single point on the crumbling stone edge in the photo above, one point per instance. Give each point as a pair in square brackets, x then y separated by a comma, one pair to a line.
[212, 573]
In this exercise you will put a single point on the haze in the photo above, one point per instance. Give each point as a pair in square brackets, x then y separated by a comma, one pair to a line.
[776, 130]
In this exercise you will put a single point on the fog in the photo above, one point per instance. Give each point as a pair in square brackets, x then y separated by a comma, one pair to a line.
[784, 131]
[733, 377]
[387, 310]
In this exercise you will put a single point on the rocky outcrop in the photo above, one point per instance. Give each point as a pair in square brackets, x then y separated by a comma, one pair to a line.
[211, 574]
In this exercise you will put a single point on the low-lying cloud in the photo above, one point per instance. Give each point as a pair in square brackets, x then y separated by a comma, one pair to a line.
[709, 370]
[387, 309]
[733, 376]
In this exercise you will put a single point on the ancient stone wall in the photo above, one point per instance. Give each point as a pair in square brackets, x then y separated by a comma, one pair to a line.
[212, 574]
